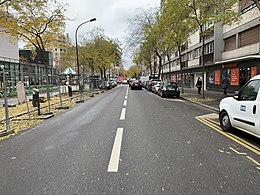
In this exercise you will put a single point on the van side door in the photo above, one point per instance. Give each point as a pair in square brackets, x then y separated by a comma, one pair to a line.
[248, 107]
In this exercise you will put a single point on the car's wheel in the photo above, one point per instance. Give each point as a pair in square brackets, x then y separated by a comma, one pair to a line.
[178, 96]
[162, 95]
[225, 121]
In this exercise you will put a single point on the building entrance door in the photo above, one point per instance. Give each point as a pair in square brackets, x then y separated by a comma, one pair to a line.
[244, 76]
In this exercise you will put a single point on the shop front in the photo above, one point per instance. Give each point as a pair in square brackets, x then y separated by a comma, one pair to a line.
[238, 74]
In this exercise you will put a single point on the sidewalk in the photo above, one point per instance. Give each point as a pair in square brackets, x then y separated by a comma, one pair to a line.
[211, 100]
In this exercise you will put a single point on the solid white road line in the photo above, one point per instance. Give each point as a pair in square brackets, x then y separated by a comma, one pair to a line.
[115, 154]
[122, 116]
[125, 102]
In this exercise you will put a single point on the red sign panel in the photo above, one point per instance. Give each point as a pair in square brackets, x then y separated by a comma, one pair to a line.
[234, 77]
[253, 71]
[217, 77]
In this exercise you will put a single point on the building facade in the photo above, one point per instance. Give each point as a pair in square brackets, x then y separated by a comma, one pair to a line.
[231, 51]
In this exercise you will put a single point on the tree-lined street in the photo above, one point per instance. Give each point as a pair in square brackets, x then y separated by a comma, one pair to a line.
[163, 149]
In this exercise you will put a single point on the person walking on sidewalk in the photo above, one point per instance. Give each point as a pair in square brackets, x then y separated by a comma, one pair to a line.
[225, 83]
[199, 85]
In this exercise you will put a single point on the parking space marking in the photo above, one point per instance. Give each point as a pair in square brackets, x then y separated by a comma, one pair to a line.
[125, 102]
[240, 141]
[115, 154]
[239, 153]
[209, 116]
[253, 160]
[123, 112]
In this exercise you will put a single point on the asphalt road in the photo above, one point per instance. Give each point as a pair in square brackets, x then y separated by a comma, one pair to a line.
[127, 142]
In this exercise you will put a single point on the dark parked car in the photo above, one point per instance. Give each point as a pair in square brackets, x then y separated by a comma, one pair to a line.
[136, 84]
[169, 89]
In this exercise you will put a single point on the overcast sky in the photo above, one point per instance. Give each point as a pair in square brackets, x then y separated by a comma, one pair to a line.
[112, 16]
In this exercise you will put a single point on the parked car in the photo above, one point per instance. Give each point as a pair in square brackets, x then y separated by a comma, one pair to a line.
[144, 83]
[242, 111]
[156, 86]
[169, 89]
[113, 82]
[124, 82]
[151, 83]
[136, 85]
[105, 85]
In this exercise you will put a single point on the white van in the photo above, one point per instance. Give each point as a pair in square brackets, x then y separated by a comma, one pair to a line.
[243, 110]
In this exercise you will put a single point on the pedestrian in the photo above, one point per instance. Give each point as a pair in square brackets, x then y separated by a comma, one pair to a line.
[199, 85]
[225, 83]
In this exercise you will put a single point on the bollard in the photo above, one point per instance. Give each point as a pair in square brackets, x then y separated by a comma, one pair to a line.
[70, 91]
[36, 100]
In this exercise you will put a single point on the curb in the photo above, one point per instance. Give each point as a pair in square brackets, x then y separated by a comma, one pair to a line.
[5, 133]
[201, 104]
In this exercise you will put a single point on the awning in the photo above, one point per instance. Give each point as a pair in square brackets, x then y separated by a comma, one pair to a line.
[239, 59]
[68, 71]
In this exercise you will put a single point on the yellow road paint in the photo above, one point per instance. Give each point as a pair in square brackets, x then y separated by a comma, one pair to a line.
[236, 137]
[244, 141]
[215, 127]
[253, 160]
[239, 153]
[215, 122]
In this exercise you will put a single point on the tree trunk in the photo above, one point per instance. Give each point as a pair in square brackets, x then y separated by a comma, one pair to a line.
[101, 73]
[169, 63]
[160, 64]
[105, 74]
[203, 63]
[154, 64]
[44, 59]
[182, 83]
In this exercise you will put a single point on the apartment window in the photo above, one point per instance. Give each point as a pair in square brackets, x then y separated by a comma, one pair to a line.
[209, 48]
[249, 37]
[245, 5]
[196, 53]
[230, 43]
[176, 54]
[190, 55]
[183, 58]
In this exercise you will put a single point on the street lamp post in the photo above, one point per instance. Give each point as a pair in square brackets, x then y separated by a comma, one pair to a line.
[76, 39]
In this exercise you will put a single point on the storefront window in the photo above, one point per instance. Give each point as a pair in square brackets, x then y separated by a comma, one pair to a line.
[211, 77]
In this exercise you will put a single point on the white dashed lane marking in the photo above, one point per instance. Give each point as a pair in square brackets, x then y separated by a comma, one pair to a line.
[123, 112]
[115, 154]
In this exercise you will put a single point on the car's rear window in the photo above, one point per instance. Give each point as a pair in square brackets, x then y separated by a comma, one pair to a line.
[171, 84]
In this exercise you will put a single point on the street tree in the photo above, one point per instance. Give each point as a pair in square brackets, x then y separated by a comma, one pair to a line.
[176, 27]
[38, 23]
[143, 56]
[205, 14]
[100, 53]
[134, 71]
[122, 72]
[146, 35]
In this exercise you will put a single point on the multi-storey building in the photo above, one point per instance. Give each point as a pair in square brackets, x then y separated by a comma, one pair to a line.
[60, 50]
[9, 57]
[20, 65]
[229, 50]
